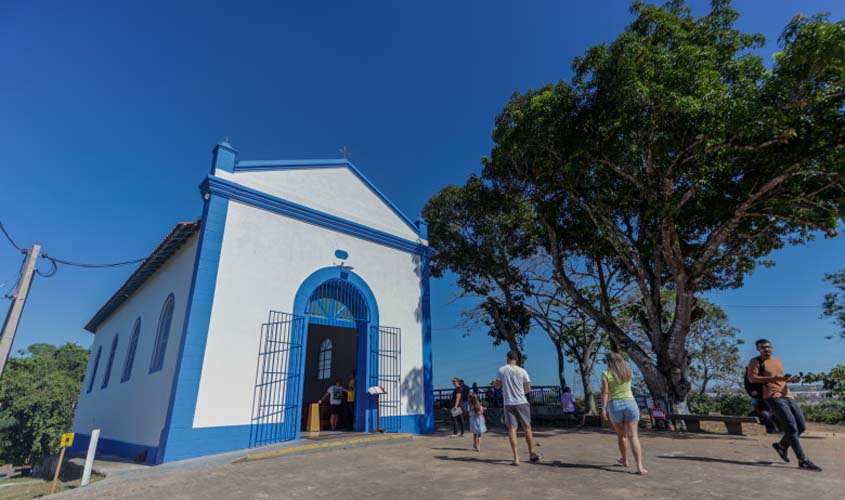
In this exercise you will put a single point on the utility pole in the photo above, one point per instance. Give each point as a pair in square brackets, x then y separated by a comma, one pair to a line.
[10, 326]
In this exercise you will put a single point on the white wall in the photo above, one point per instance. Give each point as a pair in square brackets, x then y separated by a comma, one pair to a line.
[336, 191]
[264, 259]
[134, 411]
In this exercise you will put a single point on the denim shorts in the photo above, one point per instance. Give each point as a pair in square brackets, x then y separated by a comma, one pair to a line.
[623, 410]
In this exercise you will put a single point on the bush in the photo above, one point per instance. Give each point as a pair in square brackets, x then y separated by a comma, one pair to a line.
[700, 403]
[733, 404]
[725, 404]
[828, 412]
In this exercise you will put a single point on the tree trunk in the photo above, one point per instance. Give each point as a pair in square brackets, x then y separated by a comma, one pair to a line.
[586, 370]
[561, 373]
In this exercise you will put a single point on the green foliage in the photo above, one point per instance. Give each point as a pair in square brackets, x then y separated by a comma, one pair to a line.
[833, 381]
[733, 404]
[700, 403]
[727, 403]
[479, 235]
[38, 394]
[826, 412]
[834, 302]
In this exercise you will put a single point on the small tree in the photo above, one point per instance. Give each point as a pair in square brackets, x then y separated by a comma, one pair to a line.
[834, 302]
[714, 349]
[479, 235]
[833, 381]
[37, 396]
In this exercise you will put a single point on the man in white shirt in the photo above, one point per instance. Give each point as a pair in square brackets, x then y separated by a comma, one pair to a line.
[335, 395]
[515, 384]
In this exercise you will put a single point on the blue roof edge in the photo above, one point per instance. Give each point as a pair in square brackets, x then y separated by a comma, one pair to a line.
[261, 165]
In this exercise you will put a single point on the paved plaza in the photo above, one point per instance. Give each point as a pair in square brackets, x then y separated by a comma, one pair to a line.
[577, 464]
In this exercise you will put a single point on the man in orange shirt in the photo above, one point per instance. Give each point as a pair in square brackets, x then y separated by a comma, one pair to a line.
[773, 378]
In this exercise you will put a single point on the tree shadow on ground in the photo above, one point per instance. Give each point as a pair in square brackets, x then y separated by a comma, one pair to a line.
[602, 467]
[492, 461]
[750, 463]
[556, 463]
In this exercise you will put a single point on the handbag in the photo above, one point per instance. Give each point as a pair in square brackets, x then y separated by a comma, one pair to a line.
[455, 411]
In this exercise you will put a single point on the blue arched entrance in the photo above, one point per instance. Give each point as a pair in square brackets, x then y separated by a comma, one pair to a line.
[330, 297]
[338, 299]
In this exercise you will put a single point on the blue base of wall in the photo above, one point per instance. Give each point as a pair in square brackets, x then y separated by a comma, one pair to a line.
[194, 443]
[114, 447]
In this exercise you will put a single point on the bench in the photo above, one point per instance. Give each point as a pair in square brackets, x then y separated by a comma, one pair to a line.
[733, 424]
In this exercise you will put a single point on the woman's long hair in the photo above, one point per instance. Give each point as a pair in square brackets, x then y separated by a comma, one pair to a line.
[618, 367]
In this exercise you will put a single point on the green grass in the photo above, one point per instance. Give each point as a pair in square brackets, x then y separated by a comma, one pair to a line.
[23, 491]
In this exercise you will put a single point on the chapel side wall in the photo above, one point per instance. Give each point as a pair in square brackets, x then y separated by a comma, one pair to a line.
[264, 259]
[134, 411]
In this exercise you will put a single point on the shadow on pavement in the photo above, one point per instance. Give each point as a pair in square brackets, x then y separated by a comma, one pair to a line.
[492, 461]
[752, 463]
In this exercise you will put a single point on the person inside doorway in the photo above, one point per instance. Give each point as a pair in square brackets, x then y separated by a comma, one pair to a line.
[350, 399]
[335, 397]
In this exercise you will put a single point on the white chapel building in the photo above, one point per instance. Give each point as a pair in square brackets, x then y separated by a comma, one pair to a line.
[297, 273]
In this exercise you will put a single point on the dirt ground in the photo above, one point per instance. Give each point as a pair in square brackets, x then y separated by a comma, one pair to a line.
[578, 463]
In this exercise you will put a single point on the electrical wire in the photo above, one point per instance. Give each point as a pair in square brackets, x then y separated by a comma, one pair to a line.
[8, 237]
[14, 290]
[92, 266]
[51, 272]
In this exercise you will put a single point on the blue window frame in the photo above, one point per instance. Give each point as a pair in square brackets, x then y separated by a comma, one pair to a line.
[94, 371]
[162, 334]
[112, 352]
[130, 351]
[324, 364]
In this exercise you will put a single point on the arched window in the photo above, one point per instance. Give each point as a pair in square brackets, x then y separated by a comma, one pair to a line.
[130, 351]
[109, 364]
[324, 364]
[94, 371]
[163, 333]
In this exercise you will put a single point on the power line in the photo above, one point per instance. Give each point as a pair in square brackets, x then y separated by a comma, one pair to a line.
[8, 237]
[92, 266]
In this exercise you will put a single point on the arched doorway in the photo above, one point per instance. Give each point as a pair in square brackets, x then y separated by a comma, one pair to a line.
[337, 305]
[337, 318]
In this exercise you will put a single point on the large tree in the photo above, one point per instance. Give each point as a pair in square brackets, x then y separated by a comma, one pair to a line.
[38, 394]
[675, 153]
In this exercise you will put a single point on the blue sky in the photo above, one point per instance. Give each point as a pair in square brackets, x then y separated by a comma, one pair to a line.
[108, 112]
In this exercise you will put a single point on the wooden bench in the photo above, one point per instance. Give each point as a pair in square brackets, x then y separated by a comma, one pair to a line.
[733, 424]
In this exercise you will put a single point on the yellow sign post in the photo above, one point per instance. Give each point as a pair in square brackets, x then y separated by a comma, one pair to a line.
[67, 440]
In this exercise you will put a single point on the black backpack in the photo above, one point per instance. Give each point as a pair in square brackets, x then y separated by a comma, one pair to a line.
[754, 390]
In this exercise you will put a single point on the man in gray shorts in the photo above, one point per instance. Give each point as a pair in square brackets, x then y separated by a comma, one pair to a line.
[515, 384]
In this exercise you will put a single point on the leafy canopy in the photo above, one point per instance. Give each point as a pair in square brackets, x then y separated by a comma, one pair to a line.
[38, 394]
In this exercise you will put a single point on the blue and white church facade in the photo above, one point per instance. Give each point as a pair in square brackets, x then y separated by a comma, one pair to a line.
[297, 273]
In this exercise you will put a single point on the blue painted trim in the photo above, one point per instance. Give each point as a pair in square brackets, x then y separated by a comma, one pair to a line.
[411, 424]
[364, 413]
[223, 157]
[230, 190]
[428, 376]
[94, 373]
[178, 437]
[114, 447]
[251, 166]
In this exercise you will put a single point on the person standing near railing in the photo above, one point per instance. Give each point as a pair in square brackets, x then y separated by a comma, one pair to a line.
[455, 411]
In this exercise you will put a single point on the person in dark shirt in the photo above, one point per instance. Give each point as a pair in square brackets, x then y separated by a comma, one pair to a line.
[455, 408]
[465, 400]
